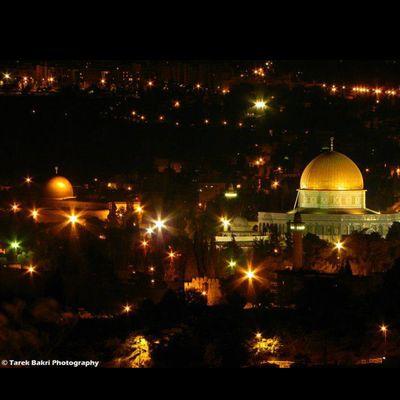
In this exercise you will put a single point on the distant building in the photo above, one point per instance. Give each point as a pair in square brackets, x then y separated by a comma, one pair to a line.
[331, 201]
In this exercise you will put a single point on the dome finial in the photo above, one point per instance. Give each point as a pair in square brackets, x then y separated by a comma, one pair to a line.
[332, 140]
[56, 168]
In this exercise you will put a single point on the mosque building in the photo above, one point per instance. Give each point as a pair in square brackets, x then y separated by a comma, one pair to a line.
[59, 201]
[331, 201]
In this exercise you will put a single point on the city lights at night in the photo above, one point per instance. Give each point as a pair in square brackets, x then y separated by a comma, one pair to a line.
[196, 213]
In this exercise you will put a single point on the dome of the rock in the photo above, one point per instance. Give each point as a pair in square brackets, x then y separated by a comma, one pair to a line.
[332, 171]
[59, 188]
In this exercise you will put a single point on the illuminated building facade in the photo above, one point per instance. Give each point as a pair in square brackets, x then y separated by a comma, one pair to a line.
[331, 200]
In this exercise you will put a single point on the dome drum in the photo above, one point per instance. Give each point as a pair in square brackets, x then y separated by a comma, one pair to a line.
[327, 199]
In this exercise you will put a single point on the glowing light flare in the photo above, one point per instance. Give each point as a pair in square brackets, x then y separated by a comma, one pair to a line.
[159, 224]
[275, 184]
[73, 219]
[15, 208]
[383, 328]
[127, 308]
[260, 105]
[172, 255]
[31, 270]
[139, 209]
[250, 274]
[15, 245]
[150, 230]
[232, 264]
[28, 180]
[35, 214]
[339, 246]
[226, 223]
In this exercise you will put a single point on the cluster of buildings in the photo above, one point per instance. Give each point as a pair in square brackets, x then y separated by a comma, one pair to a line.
[109, 74]
[331, 201]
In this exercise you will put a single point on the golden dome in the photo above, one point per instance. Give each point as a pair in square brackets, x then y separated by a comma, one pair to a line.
[332, 171]
[59, 188]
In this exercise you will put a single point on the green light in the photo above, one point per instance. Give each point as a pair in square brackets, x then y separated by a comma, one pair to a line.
[231, 195]
[15, 245]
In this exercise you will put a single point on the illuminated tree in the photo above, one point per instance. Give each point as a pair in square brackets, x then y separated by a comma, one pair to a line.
[262, 348]
[136, 353]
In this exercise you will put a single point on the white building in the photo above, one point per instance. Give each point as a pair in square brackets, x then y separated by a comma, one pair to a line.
[331, 200]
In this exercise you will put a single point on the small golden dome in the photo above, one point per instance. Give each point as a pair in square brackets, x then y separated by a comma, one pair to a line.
[332, 171]
[59, 188]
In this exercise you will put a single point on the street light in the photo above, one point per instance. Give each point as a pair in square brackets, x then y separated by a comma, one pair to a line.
[159, 224]
[260, 105]
[35, 214]
[72, 219]
[31, 270]
[171, 255]
[15, 208]
[384, 330]
[15, 245]
[127, 308]
[150, 230]
[250, 274]
[339, 246]
[232, 264]
[225, 223]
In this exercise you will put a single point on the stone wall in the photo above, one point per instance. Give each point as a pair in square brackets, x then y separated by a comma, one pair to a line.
[208, 287]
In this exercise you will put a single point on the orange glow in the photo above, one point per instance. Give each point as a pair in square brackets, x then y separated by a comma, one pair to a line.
[73, 219]
[139, 209]
[150, 230]
[35, 214]
[250, 274]
[127, 308]
[339, 246]
[31, 270]
[260, 104]
[225, 222]
[15, 208]
[275, 184]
